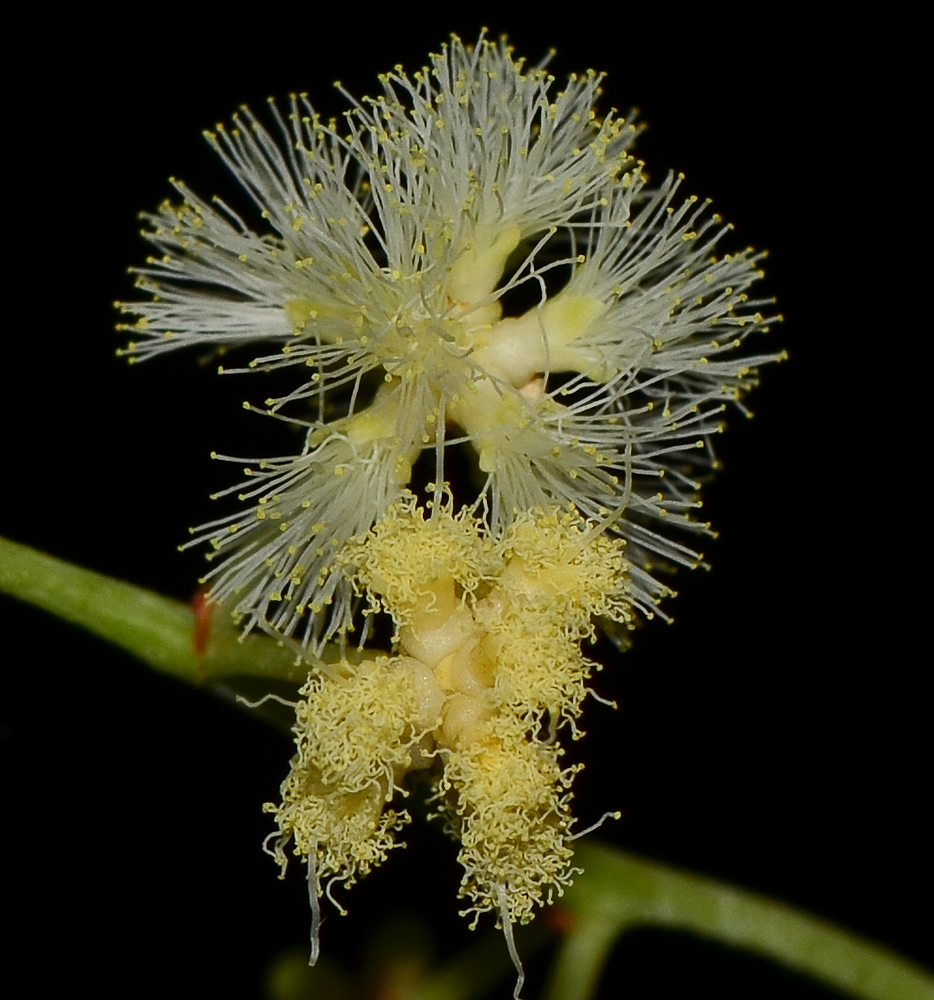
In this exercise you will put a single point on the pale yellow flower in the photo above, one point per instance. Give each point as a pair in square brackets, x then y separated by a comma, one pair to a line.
[471, 263]
[488, 671]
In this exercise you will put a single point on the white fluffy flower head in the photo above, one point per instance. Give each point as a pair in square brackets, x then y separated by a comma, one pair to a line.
[472, 259]
[471, 263]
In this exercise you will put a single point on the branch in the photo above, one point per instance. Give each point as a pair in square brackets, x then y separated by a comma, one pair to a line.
[152, 628]
[620, 891]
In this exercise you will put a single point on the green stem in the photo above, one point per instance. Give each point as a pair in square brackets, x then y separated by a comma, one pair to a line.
[155, 629]
[620, 891]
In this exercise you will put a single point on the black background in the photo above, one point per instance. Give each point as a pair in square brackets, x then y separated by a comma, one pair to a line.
[773, 736]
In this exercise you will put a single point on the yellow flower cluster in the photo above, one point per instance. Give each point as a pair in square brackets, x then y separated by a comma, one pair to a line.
[469, 269]
[488, 668]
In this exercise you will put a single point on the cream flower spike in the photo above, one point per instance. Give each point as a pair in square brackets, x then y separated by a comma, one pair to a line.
[487, 671]
[472, 258]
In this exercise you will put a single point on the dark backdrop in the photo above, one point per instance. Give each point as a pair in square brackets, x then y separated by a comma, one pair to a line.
[773, 736]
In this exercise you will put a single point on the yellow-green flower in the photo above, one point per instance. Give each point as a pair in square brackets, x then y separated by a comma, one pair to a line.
[487, 672]
[470, 263]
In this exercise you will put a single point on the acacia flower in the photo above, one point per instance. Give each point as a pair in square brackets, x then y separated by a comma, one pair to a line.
[472, 262]
[473, 259]
[488, 669]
